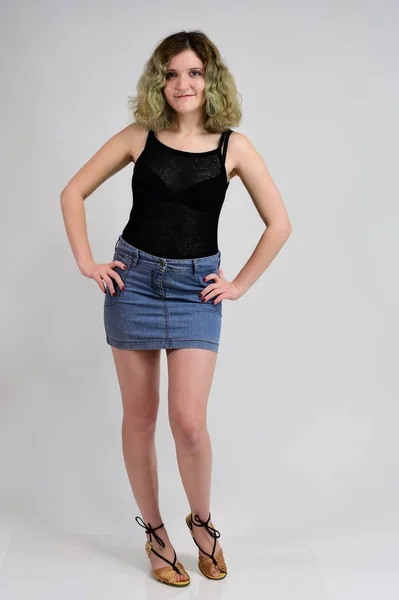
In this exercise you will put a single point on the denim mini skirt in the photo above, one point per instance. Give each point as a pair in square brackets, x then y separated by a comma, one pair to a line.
[160, 306]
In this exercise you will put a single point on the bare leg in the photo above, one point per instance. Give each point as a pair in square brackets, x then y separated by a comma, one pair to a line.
[138, 375]
[190, 378]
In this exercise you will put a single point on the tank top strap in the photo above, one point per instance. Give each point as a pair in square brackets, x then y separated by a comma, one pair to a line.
[224, 139]
[150, 135]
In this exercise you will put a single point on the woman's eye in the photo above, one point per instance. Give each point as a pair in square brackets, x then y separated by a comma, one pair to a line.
[168, 74]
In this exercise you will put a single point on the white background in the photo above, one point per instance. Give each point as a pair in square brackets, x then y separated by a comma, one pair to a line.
[303, 412]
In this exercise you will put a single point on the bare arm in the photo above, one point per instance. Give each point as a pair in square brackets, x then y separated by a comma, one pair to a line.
[113, 156]
[253, 172]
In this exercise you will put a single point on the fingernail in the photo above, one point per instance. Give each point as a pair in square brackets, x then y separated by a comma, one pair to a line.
[204, 279]
[123, 287]
[202, 299]
[200, 294]
[124, 267]
[114, 294]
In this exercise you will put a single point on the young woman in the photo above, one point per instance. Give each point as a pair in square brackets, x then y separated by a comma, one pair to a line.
[164, 287]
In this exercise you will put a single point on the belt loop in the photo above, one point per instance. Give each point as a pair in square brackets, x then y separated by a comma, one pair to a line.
[195, 266]
[117, 243]
[135, 256]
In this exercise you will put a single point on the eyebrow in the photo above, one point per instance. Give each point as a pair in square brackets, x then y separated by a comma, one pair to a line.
[199, 68]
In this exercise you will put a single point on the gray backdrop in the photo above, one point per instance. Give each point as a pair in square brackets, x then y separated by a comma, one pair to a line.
[303, 411]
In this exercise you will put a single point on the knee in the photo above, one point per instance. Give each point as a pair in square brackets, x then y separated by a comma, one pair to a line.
[188, 432]
[141, 421]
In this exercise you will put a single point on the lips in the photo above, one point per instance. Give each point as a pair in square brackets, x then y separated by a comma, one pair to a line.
[185, 96]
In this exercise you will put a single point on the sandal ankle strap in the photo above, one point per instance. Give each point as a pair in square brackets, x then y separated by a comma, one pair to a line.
[211, 530]
[151, 531]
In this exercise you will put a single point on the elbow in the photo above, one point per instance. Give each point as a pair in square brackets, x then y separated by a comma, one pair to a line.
[288, 229]
[283, 228]
[64, 193]
[66, 190]
[70, 192]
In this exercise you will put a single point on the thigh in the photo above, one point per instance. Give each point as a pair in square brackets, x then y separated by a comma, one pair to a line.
[190, 372]
[138, 374]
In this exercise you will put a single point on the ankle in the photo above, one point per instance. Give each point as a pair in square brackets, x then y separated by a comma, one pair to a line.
[162, 534]
[158, 547]
[154, 519]
[202, 514]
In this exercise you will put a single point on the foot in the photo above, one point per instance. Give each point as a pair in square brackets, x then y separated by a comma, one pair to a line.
[206, 542]
[167, 552]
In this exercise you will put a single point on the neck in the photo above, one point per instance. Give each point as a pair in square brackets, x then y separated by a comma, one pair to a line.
[188, 124]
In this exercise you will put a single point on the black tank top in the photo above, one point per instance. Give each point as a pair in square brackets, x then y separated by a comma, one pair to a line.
[177, 199]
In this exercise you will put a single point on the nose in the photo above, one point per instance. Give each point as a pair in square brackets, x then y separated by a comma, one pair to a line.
[182, 85]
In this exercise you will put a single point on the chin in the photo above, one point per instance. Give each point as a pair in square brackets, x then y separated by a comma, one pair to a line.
[183, 111]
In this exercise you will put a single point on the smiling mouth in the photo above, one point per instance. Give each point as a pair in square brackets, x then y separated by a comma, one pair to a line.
[185, 96]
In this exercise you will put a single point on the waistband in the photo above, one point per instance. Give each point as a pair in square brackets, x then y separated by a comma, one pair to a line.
[183, 263]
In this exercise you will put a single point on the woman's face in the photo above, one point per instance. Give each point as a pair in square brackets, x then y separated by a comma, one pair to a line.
[185, 82]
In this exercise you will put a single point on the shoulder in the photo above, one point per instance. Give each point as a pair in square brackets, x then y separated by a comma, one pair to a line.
[239, 141]
[240, 149]
[137, 139]
[138, 129]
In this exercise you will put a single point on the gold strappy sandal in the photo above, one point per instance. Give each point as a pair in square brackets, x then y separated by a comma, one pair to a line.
[166, 575]
[206, 563]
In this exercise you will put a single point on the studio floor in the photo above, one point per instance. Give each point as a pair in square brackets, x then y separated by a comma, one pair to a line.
[39, 564]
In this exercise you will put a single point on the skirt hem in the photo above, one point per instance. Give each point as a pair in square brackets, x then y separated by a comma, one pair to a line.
[162, 344]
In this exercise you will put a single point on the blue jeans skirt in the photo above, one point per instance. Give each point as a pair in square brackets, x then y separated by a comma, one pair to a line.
[160, 306]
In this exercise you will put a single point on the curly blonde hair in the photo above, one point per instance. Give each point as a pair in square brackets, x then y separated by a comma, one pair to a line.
[222, 107]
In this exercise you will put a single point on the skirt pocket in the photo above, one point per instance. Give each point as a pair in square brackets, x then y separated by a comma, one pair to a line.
[127, 260]
[203, 284]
